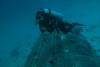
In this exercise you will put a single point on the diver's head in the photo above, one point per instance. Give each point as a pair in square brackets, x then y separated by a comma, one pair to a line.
[41, 14]
[44, 14]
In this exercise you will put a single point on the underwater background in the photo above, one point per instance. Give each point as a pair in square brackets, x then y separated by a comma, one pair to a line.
[18, 30]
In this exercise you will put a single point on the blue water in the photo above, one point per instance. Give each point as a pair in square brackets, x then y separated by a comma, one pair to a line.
[18, 30]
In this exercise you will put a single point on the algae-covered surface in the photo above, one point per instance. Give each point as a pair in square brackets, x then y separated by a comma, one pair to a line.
[57, 50]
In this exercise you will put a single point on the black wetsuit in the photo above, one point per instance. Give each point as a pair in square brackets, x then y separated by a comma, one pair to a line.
[50, 23]
[46, 24]
[65, 27]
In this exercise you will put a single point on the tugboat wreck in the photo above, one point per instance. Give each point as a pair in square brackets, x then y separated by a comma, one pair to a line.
[62, 50]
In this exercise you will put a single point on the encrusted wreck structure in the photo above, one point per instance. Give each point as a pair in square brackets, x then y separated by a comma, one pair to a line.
[59, 50]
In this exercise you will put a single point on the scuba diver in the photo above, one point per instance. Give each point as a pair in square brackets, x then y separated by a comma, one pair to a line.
[49, 21]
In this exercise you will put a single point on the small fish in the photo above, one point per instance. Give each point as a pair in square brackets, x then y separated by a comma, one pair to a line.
[15, 53]
[51, 62]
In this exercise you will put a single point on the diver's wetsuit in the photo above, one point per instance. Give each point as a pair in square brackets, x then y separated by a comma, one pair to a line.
[65, 27]
[48, 22]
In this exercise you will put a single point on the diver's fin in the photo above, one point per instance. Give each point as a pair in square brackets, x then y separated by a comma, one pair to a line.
[78, 24]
